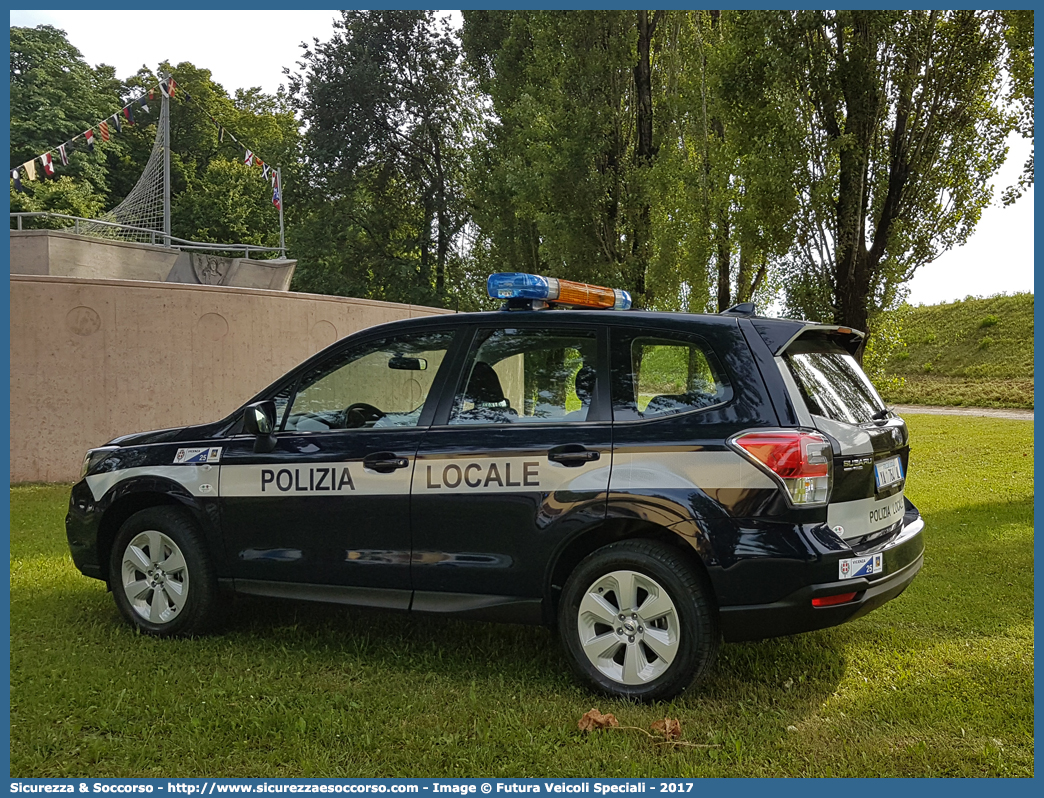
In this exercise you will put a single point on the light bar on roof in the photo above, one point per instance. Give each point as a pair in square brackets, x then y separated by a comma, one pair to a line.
[518, 285]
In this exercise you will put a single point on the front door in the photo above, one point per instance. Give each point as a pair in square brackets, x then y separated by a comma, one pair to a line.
[326, 513]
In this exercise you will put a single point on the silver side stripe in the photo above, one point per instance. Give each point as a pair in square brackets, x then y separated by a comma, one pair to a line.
[314, 479]
[704, 470]
[431, 475]
[425, 476]
[201, 480]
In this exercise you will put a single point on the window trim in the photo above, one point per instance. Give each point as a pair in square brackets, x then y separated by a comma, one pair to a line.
[350, 343]
[624, 338]
[601, 403]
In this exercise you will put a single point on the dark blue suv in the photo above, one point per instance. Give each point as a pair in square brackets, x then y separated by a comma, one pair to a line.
[648, 483]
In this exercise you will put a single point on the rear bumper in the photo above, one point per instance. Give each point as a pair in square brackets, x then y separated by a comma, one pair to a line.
[794, 613]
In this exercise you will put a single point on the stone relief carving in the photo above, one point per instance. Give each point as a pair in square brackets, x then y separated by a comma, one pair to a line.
[210, 269]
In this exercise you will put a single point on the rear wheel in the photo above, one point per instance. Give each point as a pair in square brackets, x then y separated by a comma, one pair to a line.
[637, 621]
[160, 575]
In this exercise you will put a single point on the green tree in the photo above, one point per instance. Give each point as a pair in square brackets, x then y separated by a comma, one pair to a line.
[556, 186]
[388, 118]
[904, 125]
[650, 150]
[1018, 36]
[737, 150]
[56, 96]
[216, 197]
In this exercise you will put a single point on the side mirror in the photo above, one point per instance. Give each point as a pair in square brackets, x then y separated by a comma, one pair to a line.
[259, 420]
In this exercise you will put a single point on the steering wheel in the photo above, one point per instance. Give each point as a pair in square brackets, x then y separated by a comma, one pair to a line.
[360, 414]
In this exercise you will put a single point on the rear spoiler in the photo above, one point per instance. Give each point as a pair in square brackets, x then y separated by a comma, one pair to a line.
[781, 333]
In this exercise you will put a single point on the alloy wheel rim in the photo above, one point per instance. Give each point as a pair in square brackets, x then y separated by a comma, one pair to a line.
[155, 577]
[628, 627]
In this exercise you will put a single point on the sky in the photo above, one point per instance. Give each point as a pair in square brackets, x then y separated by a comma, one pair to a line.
[998, 258]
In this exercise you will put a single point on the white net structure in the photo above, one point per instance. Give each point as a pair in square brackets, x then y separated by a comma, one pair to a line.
[143, 206]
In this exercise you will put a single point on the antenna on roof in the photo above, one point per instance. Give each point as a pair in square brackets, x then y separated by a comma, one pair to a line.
[742, 309]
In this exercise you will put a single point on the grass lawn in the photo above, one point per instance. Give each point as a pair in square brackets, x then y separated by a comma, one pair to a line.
[973, 352]
[936, 683]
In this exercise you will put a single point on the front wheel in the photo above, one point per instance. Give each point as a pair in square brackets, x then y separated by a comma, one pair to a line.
[160, 575]
[637, 621]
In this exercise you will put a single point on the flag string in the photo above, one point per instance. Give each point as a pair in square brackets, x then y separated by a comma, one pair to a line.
[168, 88]
[62, 150]
[268, 172]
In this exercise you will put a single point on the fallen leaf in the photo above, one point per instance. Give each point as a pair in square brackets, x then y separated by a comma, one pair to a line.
[596, 720]
[668, 727]
[788, 684]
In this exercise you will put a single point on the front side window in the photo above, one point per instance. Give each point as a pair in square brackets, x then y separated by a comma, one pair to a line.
[668, 376]
[517, 376]
[381, 384]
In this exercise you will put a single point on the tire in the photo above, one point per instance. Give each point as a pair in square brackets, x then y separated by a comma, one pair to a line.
[637, 621]
[161, 577]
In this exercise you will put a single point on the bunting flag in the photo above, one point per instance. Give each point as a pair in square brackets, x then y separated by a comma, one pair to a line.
[249, 158]
[17, 178]
[221, 134]
[103, 127]
[265, 169]
[277, 198]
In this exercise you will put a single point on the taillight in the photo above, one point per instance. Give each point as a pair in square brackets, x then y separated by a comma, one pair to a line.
[801, 461]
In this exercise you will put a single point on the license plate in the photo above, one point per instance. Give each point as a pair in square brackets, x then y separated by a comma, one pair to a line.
[888, 472]
[860, 566]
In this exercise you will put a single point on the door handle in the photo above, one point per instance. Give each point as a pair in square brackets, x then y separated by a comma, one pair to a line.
[572, 455]
[385, 462]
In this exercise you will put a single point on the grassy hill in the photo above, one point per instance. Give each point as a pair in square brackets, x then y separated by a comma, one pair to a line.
[974, 352]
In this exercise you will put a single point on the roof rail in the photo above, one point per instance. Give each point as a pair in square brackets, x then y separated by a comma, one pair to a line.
[742, 309]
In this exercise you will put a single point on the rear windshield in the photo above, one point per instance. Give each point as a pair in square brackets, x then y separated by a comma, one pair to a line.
[831, 382]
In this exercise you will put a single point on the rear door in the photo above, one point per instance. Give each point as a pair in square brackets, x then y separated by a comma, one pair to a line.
[518, 459]
[870, 461]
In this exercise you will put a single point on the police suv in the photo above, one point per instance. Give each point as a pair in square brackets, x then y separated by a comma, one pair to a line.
[648, 483]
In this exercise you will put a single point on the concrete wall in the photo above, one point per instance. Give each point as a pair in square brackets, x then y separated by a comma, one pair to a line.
[92, 359]
[64, 254]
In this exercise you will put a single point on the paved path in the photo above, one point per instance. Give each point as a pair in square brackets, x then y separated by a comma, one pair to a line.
[989, 412]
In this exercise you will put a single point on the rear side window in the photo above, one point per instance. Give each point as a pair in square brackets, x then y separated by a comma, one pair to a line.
[518, 376]
[668, 376]
[831, 381]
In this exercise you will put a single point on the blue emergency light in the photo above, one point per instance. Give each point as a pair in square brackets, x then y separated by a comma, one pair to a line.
[518, 285]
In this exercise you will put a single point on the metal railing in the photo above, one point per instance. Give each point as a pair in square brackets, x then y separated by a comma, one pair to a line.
[156, 237]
